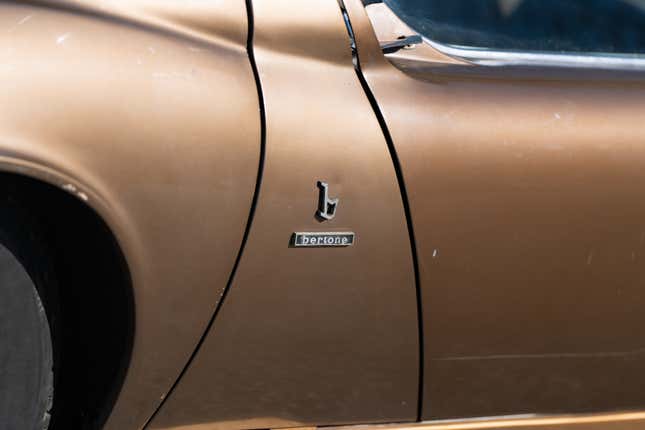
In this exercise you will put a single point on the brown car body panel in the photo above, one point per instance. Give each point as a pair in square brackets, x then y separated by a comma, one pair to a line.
[318, 335]
[136, 119]
[525, 189]
[526, 193]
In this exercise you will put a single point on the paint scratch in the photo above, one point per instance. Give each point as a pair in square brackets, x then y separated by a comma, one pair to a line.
[19, 23]
[23, 20]
[62, 38]
[70, 188]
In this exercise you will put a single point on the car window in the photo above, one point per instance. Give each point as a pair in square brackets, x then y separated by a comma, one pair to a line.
[578, 26]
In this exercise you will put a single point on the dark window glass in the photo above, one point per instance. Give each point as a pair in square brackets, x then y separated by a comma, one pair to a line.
[589, 26]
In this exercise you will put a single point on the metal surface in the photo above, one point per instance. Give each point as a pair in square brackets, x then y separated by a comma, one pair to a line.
[487, 57]
[312, 239]
[615, 421]
[326, 206]
[403, 42]
[492, 57]
[148, 112]
[526, 189]
[322, 335]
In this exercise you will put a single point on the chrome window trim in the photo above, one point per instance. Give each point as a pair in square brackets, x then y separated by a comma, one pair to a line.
[486, 57]
[496, 58]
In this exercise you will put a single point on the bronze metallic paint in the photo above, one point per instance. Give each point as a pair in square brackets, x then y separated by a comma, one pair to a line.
[527, 197]
[526, 189]
[316, 335]
[148, 112]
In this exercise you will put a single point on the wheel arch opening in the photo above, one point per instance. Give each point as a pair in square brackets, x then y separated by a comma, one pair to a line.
[96, 304]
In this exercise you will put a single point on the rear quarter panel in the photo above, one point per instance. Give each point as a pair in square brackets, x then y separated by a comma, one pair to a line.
[150, 116]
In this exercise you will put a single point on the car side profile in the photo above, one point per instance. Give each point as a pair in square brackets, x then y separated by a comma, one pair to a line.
[396, 214]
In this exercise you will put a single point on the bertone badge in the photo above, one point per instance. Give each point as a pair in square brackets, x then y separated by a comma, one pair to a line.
[302, 239]
[327, 208]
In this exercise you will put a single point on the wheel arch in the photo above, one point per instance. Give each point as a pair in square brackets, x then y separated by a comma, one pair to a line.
[97, 319]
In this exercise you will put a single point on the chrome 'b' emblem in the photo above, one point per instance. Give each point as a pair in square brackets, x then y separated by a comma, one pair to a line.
[326, 206]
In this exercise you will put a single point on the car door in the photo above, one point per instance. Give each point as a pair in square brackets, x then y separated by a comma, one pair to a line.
[518, 128]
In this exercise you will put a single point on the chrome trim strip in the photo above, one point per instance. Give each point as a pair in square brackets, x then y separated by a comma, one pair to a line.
[614, 421]
[486, 57]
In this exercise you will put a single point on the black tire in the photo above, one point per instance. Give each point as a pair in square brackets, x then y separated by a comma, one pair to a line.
[26, 345]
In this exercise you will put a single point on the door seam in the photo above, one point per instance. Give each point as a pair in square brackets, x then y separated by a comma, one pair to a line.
[404, 196]
[254, 202]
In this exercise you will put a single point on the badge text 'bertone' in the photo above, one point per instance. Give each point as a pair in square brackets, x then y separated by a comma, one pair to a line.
[317, 239]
